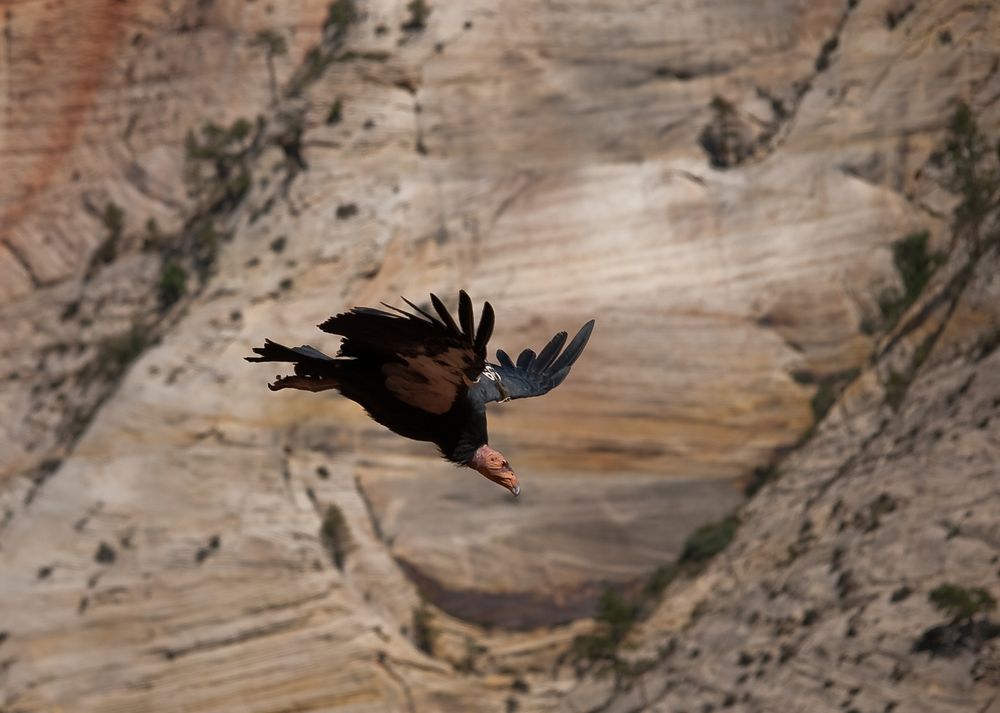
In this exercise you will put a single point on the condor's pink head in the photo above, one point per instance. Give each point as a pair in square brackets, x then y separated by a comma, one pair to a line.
[493, 465]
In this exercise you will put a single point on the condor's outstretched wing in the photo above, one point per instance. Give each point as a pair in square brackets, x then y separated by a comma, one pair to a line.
[427, 360]
[532, 375]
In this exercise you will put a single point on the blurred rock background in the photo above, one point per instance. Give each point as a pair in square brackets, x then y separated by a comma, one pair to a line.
[793, 269]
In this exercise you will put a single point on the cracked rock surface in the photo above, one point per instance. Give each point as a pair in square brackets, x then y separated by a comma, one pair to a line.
[718, 185]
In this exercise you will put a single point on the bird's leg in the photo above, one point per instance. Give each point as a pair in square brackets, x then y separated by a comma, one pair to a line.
[304, 383]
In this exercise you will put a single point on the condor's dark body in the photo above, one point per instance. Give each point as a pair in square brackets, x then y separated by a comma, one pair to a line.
[457, 432]
[425, 377]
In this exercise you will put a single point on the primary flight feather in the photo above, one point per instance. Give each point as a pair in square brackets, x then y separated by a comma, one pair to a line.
[425, 376]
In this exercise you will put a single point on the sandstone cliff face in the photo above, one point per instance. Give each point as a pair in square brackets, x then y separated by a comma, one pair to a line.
[822, 601]
[718, 186]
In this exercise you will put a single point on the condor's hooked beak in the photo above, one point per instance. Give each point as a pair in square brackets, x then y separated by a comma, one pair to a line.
[492, 464]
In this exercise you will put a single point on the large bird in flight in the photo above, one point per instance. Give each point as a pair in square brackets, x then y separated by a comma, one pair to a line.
[426, 377]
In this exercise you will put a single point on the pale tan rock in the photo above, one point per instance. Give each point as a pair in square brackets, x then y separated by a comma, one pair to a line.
[545, 157]
[823, 595]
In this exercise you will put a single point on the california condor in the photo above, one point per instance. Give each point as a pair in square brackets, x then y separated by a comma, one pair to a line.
[421, 375]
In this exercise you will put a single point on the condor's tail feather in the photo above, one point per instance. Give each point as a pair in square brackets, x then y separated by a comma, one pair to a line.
[314, 370]
[272, 351]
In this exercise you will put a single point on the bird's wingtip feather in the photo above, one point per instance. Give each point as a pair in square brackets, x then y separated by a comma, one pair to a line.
[443, 312]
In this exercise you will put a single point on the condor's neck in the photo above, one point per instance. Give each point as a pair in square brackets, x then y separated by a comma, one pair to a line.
[466, 432]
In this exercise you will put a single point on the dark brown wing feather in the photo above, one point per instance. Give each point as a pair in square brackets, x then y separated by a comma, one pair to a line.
[427, 361]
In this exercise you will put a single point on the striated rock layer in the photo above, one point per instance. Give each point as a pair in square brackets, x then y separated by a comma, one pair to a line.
[822, 601]
[718, 185]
